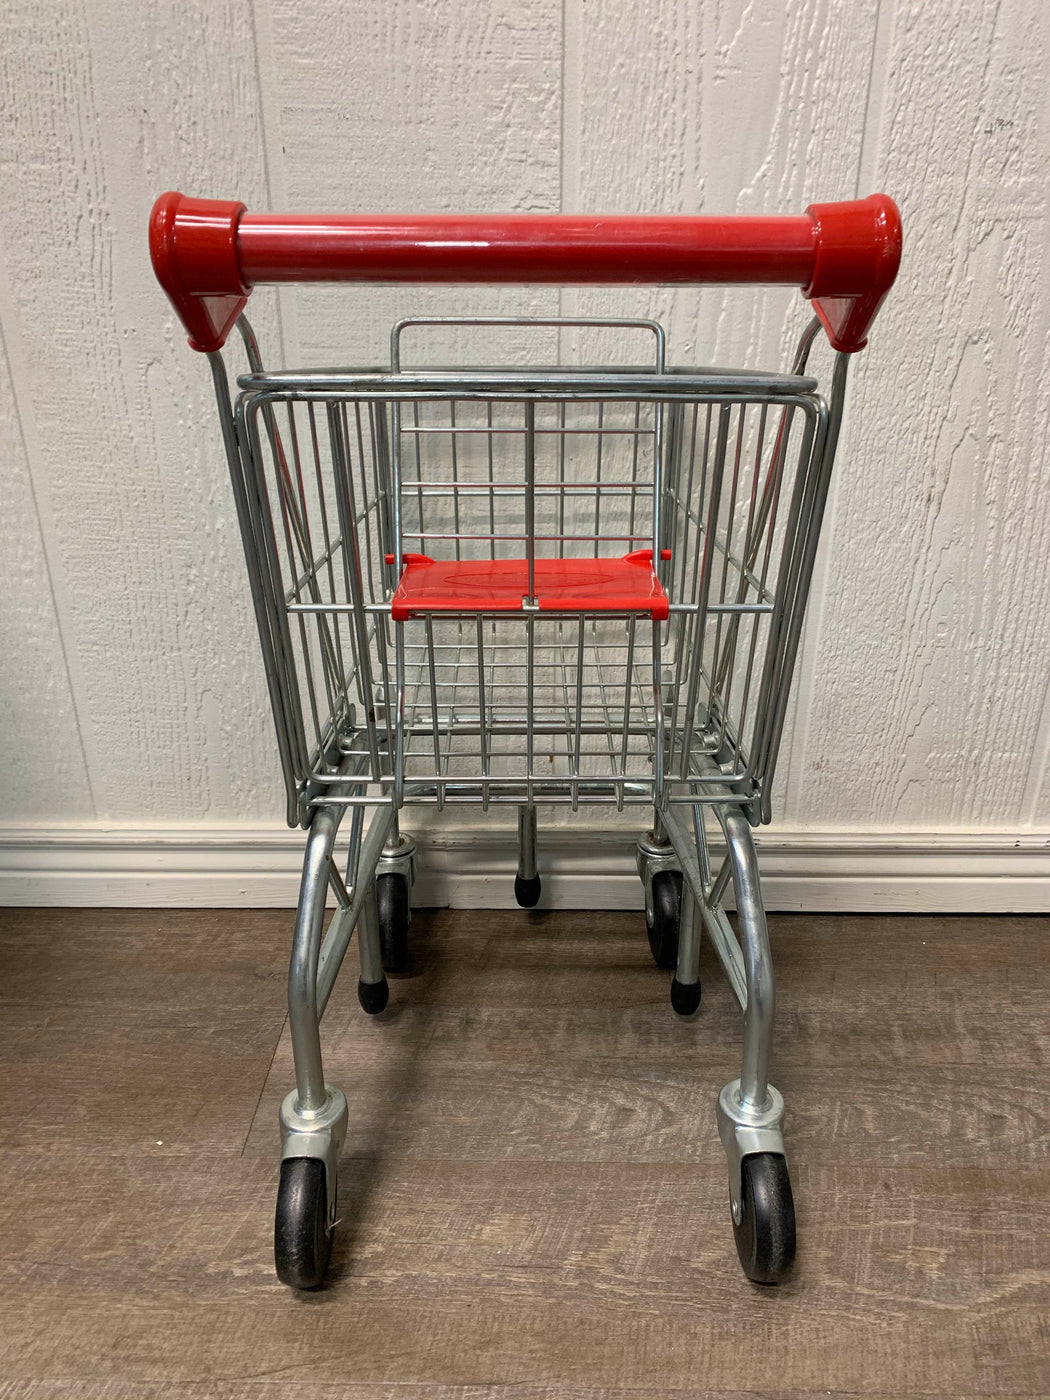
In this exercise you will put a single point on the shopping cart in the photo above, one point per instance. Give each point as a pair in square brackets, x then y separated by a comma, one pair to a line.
[511, 586]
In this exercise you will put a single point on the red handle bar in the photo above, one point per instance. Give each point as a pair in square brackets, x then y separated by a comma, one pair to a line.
[208, 254]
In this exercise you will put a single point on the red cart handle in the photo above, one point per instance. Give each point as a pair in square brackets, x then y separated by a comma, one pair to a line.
[208, 254]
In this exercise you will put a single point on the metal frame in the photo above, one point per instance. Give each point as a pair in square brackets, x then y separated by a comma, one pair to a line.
[333, 471]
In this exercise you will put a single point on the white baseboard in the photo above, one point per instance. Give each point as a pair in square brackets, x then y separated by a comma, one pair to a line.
[920, 871]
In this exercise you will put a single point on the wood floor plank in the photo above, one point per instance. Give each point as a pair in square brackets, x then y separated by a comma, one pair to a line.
[533, 1193]
[652, 1035]
[202, 960]
[955, 1032]
[653, 1234]
[532, 1110]
[770, 1345]
[161, 1271]
[528, 1046]
[71, 1080]
[122, 1027]
[583, 960]
[352, 1390]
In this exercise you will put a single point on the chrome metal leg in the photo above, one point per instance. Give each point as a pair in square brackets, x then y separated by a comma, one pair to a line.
[313, 1116]
[527, 883]
[361, 864]
[758, 962]
[303, 1019]
[527, 843]
[688, 971]
[750, 1111]
[313, 968]
[368, 946]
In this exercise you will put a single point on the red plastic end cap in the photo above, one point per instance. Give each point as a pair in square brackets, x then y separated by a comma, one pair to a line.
[193, 245]
[857, 251]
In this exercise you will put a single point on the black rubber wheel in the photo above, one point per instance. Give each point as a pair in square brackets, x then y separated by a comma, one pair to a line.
[527, 892]
[394, 915]
[685, 997]
[662, 923]
[302, 1242]
[373, 996]
[765, 1237]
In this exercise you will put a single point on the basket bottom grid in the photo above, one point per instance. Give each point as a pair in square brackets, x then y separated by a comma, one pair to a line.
[472, 735]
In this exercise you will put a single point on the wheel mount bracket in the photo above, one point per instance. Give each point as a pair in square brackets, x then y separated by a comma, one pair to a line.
[316, 1133]
[651, 857]
[399, 858]
[746, 1130]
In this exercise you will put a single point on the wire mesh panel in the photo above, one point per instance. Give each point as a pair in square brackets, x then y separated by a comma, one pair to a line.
[318, 472]
[552, 709]
[738, 509]
[467, 468]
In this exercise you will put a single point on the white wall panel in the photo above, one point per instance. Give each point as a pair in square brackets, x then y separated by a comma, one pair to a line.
[925, 698]
[934, 649]
[741, 107]
[42, 769]
[419, 106]
[108, 104]
[733, 108]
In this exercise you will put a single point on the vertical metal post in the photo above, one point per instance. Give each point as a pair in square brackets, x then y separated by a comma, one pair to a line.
[530, 498]
[704, 583]
[530, 702]
[482, 735]
[369, 947]
[658, 722]
[809, 529]
[341, 470]
[283, 725]
[527, 842]
[395, 487]
[399, 717]
[688, 971]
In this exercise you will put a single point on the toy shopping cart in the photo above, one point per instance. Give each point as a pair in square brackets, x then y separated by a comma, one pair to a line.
[514, 586]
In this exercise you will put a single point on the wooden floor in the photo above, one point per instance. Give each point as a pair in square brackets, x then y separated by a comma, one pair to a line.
[533, 1194]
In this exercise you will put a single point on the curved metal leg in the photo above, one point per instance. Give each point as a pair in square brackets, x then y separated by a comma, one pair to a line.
[758, 962]
[313, 1116]
[750, 1110]
[314, 966]
[303, 1020]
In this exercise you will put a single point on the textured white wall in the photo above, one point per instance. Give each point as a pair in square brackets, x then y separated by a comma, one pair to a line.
[131, 689]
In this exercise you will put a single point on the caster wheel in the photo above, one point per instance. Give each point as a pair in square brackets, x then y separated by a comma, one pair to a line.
[765, 1237]
[302, 1242]
[662, 919]
[685, 997]
[394, 914]
[527, 892]
[373, 996]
